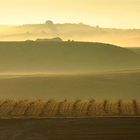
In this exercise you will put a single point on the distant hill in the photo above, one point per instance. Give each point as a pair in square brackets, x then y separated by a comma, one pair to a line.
[81, 32]
[69, 57]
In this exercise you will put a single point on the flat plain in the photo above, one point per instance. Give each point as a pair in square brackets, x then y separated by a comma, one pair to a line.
[112, 86]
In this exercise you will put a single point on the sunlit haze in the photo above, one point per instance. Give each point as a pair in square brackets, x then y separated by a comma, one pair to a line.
[105, 13]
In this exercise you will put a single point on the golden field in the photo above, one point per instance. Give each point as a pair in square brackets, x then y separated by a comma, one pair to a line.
[65, 109]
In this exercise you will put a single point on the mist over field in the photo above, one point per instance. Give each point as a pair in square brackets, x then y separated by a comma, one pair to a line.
[111, 86]
[69, 31]
[65, 57]
[67, 69]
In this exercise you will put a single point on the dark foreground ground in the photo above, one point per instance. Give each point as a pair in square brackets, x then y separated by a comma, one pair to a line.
[71, 129]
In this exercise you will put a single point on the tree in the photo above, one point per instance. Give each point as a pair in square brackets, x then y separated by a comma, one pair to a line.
[49, 22]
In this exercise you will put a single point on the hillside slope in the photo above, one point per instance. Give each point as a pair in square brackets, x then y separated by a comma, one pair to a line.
[69, 57]
[135, 49]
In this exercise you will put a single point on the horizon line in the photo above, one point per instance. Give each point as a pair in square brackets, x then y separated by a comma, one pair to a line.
[76, 23]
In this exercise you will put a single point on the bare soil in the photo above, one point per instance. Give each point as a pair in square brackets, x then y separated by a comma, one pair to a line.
[71, 129]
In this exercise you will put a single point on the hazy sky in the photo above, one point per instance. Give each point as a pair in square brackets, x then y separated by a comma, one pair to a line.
[106, 13]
